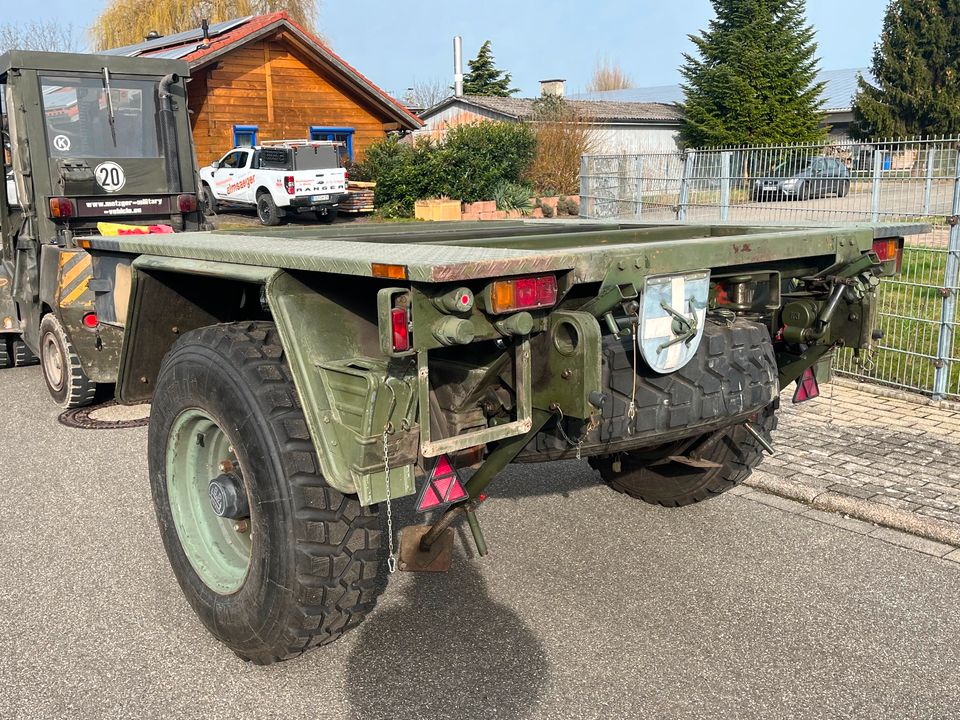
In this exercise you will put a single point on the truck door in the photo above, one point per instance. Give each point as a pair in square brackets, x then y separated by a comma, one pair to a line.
[224, 175]
[245, 178]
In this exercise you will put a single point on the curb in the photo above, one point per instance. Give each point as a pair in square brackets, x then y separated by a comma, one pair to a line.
[828, 501]
[916, 398]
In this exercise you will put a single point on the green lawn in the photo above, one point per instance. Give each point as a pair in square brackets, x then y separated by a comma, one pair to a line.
[910, 307]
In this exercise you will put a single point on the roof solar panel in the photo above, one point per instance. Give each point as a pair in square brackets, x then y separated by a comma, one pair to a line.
[176, 39]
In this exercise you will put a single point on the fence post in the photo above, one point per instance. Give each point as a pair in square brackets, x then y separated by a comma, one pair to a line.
[638, 174]
[684, 198]
[928, 185]
[585, 204]
[725, 185]
[948, 310]
[875, 185]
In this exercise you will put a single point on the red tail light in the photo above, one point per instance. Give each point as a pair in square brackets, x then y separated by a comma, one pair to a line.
[400, 325]
[889, 250]
[288, 184]
[186, 203]
[61, 207]
[90, 320]
[522, 294]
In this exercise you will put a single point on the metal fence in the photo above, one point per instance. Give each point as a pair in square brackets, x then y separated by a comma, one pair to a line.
[822, 184]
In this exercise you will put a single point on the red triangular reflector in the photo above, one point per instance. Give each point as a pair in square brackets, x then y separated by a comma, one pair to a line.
[807, 387]
[441, 487]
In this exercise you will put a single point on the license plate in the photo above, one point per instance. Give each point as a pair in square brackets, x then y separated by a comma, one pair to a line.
[319, 198]
[769, 188]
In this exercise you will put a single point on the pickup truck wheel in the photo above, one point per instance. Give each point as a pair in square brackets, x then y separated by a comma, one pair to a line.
[68, 384]
[267, 209]
[208, 202]
[289, 563]
[650, 475]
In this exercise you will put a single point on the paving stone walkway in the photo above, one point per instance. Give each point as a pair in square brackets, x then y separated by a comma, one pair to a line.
[887, 451]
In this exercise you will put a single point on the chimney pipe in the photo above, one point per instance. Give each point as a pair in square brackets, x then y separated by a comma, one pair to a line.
[458, 66]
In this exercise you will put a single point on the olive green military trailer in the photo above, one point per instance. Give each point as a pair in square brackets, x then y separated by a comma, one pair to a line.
[306, 381]
[86, 139]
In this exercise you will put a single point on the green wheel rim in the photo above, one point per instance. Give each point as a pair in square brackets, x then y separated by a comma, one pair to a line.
[218, 552]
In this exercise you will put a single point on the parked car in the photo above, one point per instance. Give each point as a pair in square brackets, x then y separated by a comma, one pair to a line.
[287, 176]
[809, 178]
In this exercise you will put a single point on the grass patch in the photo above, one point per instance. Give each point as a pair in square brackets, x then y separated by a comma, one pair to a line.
[909, 314]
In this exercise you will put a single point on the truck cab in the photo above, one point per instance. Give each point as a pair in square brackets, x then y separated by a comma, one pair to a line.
[88, 139]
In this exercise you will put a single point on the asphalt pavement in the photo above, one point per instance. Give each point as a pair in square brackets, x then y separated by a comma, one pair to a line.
[589, 605]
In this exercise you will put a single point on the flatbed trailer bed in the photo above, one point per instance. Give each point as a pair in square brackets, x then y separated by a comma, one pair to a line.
[305, 380]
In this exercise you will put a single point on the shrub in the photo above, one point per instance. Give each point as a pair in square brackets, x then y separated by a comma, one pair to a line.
[547, 211]
[470, 162]
[478, 156]
[563, 134]
[512, 196]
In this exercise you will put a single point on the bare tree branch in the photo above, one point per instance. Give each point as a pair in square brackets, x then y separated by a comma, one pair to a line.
[426, 93]
[48, 35]
[608, 75]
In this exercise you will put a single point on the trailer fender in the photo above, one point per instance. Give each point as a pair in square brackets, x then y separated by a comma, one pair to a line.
[360, 406]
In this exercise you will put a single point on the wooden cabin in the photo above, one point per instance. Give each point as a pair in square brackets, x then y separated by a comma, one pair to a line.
[265, 77]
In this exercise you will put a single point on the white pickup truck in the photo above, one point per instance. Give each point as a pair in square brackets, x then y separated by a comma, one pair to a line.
[285, 176]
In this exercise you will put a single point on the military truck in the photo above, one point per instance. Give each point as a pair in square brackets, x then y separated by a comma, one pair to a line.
[87, 139]
[306, 380]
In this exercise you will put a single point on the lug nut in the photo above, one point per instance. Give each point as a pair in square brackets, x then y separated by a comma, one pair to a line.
[242, 526]
[226, 466]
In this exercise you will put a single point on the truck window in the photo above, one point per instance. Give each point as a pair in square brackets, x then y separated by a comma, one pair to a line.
[82, 120]
[234, 160]
[316, 157]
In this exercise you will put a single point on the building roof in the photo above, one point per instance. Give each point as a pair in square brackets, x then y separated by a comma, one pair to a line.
[840, 87]
[598, 110]
[226, 36]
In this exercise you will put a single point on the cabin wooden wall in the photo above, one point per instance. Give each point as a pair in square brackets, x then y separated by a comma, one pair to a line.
[271, 85]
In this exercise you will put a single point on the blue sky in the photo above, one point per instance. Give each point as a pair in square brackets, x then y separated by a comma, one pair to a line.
[396, 44]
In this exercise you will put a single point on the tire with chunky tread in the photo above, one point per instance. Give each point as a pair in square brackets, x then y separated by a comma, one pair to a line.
[267, 211]
[73, 388]
[315, 569]
[6, 353]
[651, 477]
[21, 355]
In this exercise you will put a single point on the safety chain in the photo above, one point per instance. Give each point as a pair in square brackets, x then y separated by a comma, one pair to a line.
[392, 557]
[632, 408]
[591, 426]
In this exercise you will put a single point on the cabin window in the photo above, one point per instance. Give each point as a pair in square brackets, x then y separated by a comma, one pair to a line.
[244, 135]
[335, 134]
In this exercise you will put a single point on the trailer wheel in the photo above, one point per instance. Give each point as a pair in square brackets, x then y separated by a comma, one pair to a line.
[650, 475]
[290, 563]
[267, 209]
[68, 384]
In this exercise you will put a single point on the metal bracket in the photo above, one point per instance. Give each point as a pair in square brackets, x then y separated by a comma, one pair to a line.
[520, 426]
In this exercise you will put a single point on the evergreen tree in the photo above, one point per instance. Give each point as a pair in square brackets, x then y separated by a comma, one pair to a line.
[755, 78]
[916, 65]
[484, 78]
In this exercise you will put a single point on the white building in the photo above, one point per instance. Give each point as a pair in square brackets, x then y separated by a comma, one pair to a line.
[621, 127]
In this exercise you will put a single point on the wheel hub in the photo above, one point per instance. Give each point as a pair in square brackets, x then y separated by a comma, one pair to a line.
[228, 499]
[209, 515]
